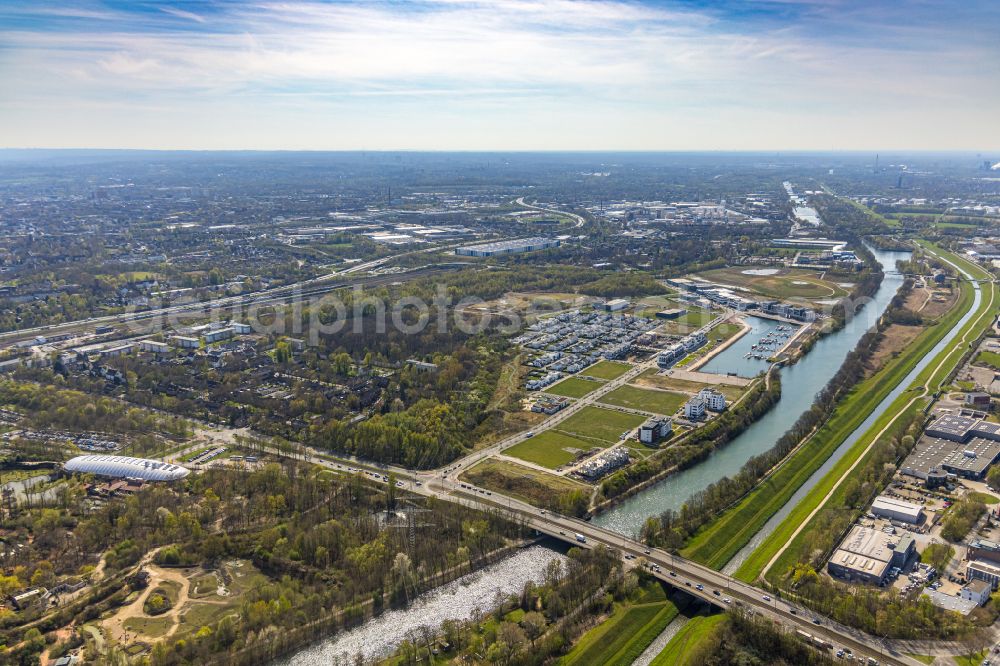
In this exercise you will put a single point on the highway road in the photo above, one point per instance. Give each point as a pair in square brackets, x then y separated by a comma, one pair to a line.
[580, 221]
[700, 581]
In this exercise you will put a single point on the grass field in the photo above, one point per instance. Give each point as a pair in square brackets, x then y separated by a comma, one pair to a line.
[989, 359]
[719, 541]
[648, 400]
[698, 630]
[974, 659]
[787, 283]
[686, 386]
[524, 483]
[606, 370]
[595, 423]
[624, 636]
[932, 377]
[572, 387]
[550, 449]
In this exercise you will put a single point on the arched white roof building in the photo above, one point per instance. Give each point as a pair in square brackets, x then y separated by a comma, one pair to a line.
[125, 467]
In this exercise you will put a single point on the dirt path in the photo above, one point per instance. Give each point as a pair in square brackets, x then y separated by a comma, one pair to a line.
[115, 625]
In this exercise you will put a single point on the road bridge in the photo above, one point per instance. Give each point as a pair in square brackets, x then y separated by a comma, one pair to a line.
[712, 586]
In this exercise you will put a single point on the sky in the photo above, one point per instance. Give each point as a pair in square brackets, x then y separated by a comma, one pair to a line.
[502, 75]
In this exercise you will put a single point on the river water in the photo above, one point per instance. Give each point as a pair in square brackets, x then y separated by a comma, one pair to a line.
[458, 600]
[799, 385]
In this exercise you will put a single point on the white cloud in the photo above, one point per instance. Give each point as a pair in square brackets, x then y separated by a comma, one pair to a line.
[606, 66]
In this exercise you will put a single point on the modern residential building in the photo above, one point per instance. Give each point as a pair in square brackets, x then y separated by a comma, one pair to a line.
[654, 430]
[694, 409]
[714, 400]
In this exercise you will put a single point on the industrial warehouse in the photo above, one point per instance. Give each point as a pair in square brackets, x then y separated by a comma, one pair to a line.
[867, 555]
[500, 248]
[954, 445]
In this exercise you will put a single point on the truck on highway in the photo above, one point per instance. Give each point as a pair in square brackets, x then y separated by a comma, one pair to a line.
[581, 538]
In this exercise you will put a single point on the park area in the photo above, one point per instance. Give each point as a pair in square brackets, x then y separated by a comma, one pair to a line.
[784, 284]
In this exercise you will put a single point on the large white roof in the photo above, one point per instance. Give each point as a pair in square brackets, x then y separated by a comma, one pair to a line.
[126, 467]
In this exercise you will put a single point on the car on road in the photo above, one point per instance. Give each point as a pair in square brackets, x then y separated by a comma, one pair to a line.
[767, 598]
[699, 587]
[673, 574]
[687, 583]
[727, 600]
[716, 593]
[816, 620]
[646, 551]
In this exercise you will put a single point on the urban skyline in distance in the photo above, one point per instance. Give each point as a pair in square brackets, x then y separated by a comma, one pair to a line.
[512, 75]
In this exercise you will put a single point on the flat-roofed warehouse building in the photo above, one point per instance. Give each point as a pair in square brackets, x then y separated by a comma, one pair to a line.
[125, 467]
[894, 509]
[866, 555]
[954, 444]
[507, 247]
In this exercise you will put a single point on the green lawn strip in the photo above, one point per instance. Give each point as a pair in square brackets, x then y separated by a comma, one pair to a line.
[548, 449]
[606, 370]
[755, 564]
[697, 630]
[721, 539]
[592, 423]
[647, 400]
[927, 659]
[623, 637]
[989, 359]
[573, 387]
[974, 659]
[985, 498]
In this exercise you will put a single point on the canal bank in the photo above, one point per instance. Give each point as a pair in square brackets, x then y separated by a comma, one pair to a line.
[800, 384]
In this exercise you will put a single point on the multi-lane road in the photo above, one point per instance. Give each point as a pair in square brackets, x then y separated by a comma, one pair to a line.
[700, 581]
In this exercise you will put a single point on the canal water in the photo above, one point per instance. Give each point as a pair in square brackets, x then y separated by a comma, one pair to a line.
[853, 438]
[458, 600]
[799, 385]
